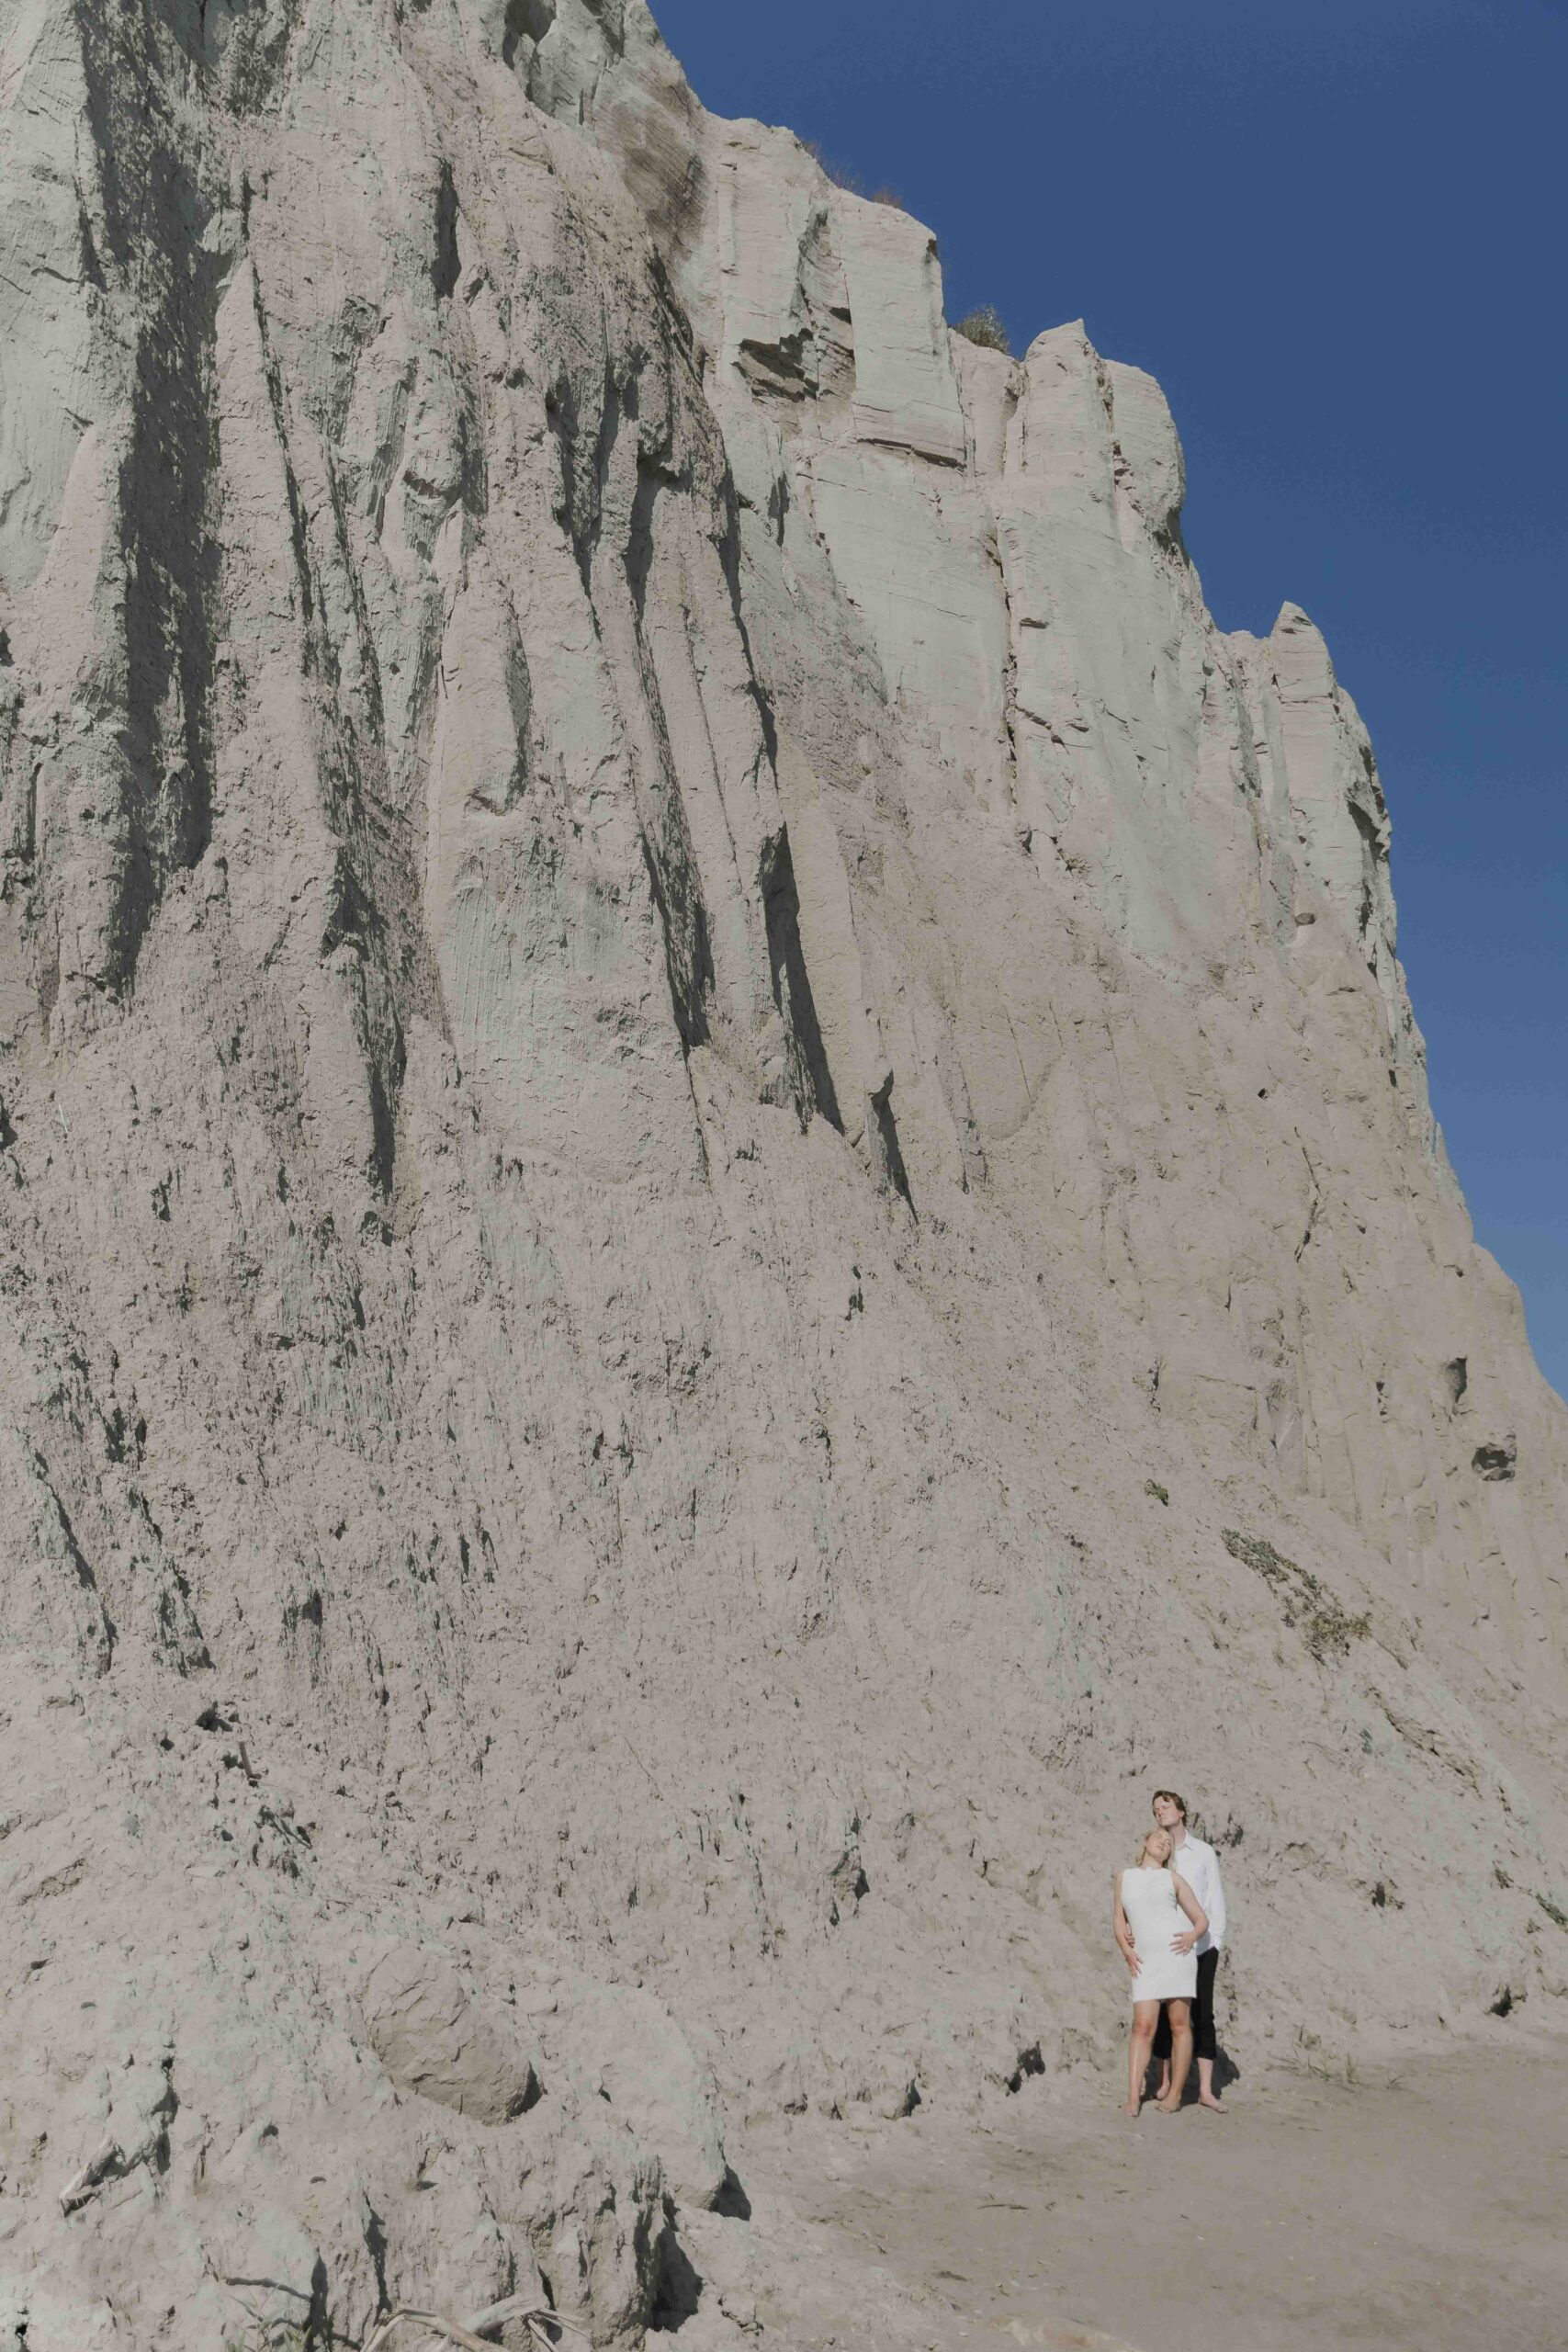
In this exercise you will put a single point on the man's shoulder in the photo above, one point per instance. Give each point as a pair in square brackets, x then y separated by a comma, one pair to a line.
[1199, 1845]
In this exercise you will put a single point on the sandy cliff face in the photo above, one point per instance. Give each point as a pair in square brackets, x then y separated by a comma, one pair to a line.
[719, 1204]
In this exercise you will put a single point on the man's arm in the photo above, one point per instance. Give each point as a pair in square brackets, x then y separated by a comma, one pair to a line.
[1121, 1930]
[1216, 1900]
[1195, 1912]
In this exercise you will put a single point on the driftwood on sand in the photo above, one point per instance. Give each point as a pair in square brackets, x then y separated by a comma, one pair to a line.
[476, 2336]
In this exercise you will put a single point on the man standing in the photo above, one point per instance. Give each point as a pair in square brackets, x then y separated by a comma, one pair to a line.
[1200, 1865]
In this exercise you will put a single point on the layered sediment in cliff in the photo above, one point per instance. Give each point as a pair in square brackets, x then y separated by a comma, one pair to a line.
[718, 1202]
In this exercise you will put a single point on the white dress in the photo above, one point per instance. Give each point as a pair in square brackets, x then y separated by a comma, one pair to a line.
[1148, 1897]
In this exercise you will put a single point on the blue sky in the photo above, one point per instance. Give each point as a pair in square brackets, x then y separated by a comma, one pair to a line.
[1336, 236]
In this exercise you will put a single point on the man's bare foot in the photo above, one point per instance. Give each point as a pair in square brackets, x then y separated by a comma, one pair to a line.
[1206, 2098]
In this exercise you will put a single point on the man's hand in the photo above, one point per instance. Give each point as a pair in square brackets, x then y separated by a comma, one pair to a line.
[1184, 1942]
[1131, 1956]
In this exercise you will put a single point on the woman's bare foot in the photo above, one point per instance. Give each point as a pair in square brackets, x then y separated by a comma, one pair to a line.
[1130, 2107]
[1168, 2106]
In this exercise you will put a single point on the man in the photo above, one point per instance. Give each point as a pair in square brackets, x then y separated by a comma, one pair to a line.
[1200, 1865]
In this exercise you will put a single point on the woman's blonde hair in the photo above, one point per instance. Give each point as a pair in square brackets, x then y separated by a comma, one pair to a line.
[1143, 1845]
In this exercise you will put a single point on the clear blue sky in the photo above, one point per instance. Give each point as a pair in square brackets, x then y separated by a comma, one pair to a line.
[1335, 233]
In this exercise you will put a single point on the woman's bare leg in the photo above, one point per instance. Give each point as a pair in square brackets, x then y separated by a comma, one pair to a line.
[1140, 2041]
[1180, 2014]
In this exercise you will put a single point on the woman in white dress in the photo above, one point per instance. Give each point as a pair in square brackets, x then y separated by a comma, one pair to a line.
[1147, 1920]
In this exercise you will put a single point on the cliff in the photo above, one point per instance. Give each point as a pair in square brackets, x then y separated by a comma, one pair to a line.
[719, 1204]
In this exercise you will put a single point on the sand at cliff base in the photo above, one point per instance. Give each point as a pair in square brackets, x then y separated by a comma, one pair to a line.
[1421, 2211]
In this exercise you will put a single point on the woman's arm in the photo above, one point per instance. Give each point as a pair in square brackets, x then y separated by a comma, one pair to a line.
[1120, 1929]
[1195, 1912]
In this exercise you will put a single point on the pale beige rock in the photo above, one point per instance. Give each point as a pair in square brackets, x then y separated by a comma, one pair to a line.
[673, 1029]
[436, 2042]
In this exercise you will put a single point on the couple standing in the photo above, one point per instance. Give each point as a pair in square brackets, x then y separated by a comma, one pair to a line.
[1168, 1918]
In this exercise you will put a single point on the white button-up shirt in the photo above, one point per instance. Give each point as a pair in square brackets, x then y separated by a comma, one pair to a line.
[1198, 1863]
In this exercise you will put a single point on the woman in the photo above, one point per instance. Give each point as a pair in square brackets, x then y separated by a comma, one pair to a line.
[1146, 1919]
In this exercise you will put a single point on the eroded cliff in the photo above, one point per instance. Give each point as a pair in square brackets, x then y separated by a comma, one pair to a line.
[717, 1198]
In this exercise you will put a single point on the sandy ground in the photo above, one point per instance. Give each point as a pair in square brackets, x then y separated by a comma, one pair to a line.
[1425, 2211]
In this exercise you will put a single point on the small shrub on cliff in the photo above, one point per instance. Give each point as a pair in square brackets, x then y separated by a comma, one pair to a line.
[840, 176]
[985, 327]
[1325, 1625]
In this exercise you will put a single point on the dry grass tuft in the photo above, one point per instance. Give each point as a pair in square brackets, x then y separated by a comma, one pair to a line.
[985, 327]
[850, 181]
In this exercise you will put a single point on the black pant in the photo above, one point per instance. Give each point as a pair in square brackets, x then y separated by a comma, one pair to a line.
[1203, 2042]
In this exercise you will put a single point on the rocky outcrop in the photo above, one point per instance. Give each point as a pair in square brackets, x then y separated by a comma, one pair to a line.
[719, 1204]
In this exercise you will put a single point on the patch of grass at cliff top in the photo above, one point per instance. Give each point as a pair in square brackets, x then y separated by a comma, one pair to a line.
[985, 327]
[851, 181]
[1323, 1623]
